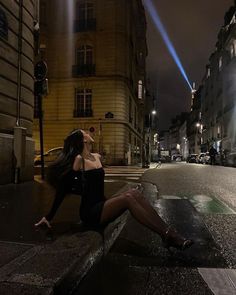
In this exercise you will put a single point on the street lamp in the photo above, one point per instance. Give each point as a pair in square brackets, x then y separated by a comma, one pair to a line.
[198, 130]
[149, 143]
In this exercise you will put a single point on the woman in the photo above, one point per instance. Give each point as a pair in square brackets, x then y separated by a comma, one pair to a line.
[95, 210]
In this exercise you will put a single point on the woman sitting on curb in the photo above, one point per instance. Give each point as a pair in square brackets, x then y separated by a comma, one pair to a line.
[77, 162]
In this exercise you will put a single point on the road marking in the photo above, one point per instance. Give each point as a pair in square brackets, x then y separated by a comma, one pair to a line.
[110, 180]
[204, 204]
[122, 174]
[166, 197]
[220, 281]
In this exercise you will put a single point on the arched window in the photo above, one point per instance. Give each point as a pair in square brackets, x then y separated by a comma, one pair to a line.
[84, 55]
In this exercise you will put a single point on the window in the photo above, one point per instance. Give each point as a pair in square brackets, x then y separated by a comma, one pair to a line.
[130, 110]
[84, 55]
[43, 13]
[83, 103]
[4, 25]
[84, 62]
[140, 89]
[233, 49]
[84, 10]
[208, 72]
[85, 20]
[220, 63]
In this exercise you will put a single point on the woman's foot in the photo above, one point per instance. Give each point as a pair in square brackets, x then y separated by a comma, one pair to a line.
[43, 221]
[172, 239]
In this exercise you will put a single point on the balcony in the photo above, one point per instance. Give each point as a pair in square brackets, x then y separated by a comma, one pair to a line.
[83, 70]
[83, 113]
[84, 25]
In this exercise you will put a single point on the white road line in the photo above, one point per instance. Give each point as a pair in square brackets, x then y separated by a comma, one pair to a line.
[125, 175]
[220, 281]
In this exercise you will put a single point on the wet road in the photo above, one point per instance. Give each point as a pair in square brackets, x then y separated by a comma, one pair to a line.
[194, 199]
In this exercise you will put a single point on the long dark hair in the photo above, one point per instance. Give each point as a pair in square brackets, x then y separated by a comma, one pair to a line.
[58, 170]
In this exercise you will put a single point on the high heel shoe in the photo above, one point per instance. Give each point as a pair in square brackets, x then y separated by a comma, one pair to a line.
[172, 239]
[43, 221]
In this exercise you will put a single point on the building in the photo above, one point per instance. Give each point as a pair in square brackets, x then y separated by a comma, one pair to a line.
[16, 90]
[219, 89]
[183, 139]
[194, 125]
[150, 126]
[174, 133]
[95, 51]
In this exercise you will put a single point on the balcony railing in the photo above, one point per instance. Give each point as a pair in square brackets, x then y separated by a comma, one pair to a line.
[83, 113]
[85, 25]
[83, 70]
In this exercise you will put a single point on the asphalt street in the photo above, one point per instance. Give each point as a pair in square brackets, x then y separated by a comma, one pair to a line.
[198, 200]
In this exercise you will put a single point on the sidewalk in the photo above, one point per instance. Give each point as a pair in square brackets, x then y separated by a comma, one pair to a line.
[42, 261]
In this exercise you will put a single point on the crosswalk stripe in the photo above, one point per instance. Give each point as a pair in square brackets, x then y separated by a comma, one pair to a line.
[220, 281]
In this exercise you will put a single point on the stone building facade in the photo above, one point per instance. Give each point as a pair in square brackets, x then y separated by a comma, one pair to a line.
[219, 90]
[16, 90]
[95, 51]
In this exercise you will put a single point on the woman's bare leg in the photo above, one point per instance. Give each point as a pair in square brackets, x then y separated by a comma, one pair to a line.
[144, 213]
[116, 206]
[140, 198]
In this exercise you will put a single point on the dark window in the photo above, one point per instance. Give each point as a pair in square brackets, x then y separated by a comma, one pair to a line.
[84, 62]
[84, 10]
[85, 20]
[84, 55]
[3, 25]
[83, 103]
[130, 110]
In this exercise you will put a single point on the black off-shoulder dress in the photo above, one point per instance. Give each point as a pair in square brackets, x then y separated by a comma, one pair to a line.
[93, 199]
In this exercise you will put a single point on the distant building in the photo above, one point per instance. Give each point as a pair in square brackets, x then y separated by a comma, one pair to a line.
[164, 139]
[174, 132]
[194, 125]
[95, 51]
[16, 90]
[184, 143]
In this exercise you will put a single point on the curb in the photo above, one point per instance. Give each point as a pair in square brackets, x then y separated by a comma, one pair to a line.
[59, 267]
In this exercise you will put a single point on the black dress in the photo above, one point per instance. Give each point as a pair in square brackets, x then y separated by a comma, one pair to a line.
[93, 199]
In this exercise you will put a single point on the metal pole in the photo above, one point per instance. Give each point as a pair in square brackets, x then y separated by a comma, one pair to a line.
[41, 134]
[19, 63]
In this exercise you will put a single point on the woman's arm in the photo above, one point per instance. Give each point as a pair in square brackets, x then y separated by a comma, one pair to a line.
[77, 163]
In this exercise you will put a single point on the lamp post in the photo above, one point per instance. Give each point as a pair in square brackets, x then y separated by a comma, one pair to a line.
[199, 128]
[149, 142]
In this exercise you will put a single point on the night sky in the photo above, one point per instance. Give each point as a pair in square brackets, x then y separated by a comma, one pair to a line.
[192, 27]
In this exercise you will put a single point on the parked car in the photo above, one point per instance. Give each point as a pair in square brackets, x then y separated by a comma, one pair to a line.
[49, 156]
[192, 158]
[201, 159]
[207, 158]
[231, 159]
[177, 157]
